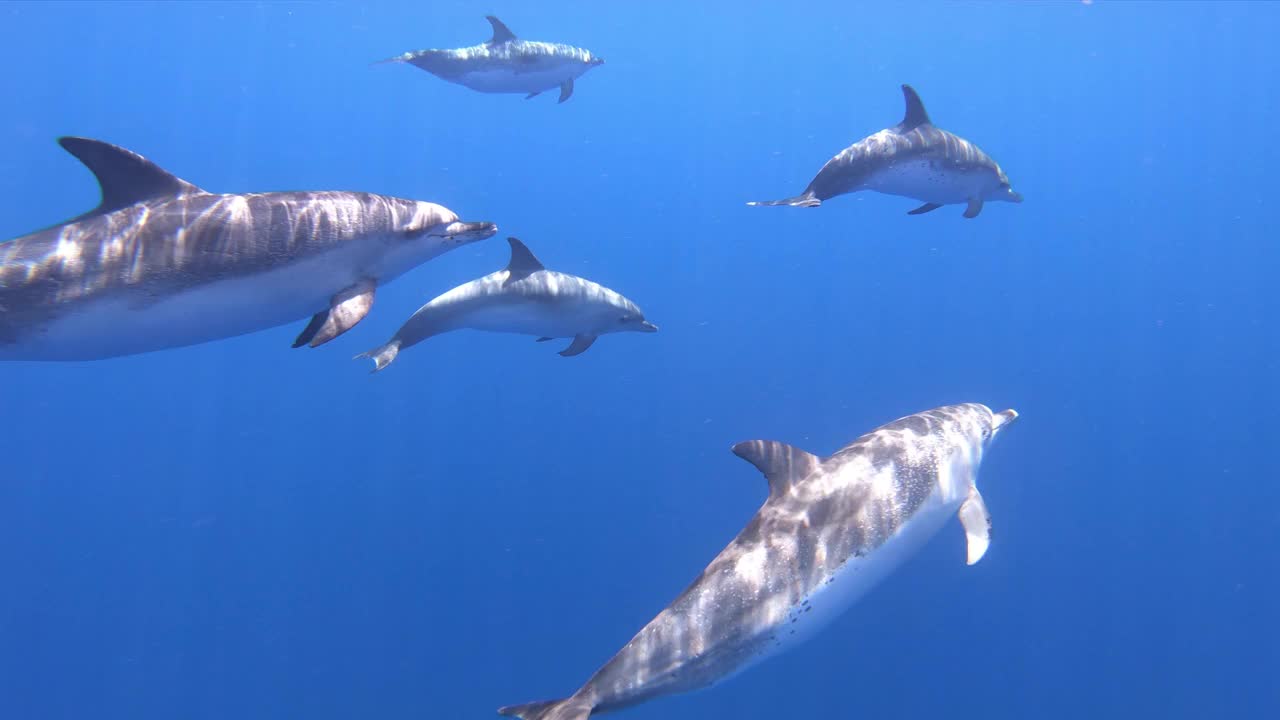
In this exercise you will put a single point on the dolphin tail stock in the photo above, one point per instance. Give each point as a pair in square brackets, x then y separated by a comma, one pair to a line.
[570, 708]
[805, 199]
[381, 355]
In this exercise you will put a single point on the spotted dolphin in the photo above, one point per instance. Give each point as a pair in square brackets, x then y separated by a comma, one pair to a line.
[525, 298]
[161, 263]
[830, 529]
[913, 159]
[507, 64]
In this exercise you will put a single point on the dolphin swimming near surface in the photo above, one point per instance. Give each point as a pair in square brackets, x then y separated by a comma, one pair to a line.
[913, 159]
[830, 529]
[161, 263]
[526, 298]
[507, 64]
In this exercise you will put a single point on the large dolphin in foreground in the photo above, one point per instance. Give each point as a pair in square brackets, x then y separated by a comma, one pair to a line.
[830, 529]
[161, 263]
[524, 297]
[506, 64]
[913, 159]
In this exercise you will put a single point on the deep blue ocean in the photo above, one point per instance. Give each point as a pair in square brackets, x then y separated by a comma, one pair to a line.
[242, 530]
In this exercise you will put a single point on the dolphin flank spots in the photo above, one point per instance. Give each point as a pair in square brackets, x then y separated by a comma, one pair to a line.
[830, 529]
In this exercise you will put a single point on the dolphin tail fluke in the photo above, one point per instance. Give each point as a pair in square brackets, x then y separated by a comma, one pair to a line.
[382, 355]
[564, 709]
[805, 200]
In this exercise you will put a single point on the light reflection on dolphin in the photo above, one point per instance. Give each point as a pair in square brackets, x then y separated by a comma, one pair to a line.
[161, 263]
[830, 529]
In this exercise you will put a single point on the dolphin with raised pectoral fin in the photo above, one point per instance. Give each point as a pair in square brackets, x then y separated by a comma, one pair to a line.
[525, 298]
[830, 529]
[913, 159]
[506, 64]
[161, 263]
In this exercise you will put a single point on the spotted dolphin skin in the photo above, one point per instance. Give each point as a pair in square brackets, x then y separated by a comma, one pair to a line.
[830, 529]
[507, 64]
[526, 298]
[913, 159]
[161, 263]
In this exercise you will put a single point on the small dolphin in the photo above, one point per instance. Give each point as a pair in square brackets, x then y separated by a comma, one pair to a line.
[913, 159]
[525, 298]
[506, 64]
[830, 529]
[161, 263]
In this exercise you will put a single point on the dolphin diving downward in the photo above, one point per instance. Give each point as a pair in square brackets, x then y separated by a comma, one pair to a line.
[161, 263]
[507, 64]
[524, 298]
[830, 529]
[913, 159]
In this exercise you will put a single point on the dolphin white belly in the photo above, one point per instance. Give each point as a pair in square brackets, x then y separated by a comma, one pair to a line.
[923, 179]
[506, 81]
[131, 323]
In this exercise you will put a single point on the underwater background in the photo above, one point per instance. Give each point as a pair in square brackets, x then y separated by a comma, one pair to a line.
[242, 530]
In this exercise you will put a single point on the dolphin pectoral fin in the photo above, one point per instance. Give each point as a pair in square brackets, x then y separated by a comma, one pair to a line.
[975, 207]
[580, 343]
[782, 464]
[566, 89]
[977, 525]
[543, 339]
[349, 307]
[927, 207]
[313, 327]
[532, 95]
[566, 709]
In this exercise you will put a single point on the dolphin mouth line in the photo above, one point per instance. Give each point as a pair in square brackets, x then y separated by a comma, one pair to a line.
[647, 326]
[479, 230]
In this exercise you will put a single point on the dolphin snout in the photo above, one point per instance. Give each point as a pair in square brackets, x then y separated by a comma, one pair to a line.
[471, 230]
[1002, 420]
[1015, 196]
[647, 326]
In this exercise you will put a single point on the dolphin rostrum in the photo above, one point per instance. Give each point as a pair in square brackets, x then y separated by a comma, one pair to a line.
[161, 263]
[525, 298]
[507, 64]
[830, 529]
[913, 159]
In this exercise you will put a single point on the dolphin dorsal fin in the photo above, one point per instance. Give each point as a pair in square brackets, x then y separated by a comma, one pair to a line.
[523, 263]
[125, 177]
[782, 464]
[501, 33]
[915, 115]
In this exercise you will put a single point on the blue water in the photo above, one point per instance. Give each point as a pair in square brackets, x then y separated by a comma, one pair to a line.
[241, 530]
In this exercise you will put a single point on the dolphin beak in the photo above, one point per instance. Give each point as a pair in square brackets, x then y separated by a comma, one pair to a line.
[1015, 196]
[1001, 420]
[647, 326]
[470, 231]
